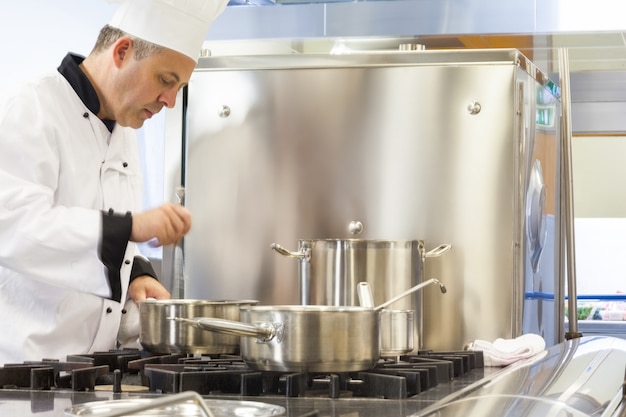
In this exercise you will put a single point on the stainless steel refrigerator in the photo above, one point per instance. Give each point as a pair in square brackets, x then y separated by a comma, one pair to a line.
[448, 146]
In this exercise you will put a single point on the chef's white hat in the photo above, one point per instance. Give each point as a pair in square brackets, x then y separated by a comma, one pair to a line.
[180, 25]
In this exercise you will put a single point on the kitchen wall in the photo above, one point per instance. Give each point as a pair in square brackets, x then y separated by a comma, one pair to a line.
[600, 176]
[36, 34]
[599, 181]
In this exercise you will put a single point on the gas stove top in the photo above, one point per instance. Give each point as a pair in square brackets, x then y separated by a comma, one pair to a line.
[395, 387]
[578, 378]
[26, 402]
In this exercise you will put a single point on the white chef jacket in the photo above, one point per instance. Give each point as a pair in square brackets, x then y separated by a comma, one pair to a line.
[61, 173]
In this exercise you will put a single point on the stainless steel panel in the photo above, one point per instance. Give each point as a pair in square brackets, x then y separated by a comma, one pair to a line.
[301, 146]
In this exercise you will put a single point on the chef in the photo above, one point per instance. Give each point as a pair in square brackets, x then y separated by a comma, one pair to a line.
[70, 186]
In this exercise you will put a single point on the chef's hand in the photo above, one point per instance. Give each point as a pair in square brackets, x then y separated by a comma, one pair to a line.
[165, 224]
[147, 287]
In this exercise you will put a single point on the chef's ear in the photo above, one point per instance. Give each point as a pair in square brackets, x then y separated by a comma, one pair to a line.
[121, 50]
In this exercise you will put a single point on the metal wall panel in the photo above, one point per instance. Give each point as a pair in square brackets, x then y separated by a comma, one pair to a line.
[308, 144]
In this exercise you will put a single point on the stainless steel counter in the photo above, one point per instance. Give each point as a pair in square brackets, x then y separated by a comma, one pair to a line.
[580, 377]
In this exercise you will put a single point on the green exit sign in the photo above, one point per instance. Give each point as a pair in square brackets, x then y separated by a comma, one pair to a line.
[545, 116]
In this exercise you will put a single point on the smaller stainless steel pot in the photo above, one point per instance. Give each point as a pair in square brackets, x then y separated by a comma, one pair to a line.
[161, 335]
[396, 332]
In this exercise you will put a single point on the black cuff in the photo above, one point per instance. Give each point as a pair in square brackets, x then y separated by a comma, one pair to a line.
[116, 231]
[141, 266]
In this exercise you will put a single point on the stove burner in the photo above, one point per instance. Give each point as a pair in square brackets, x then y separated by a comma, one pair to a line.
[78, 372]
[49, 374]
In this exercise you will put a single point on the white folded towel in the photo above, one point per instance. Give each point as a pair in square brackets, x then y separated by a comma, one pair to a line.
[504, 352]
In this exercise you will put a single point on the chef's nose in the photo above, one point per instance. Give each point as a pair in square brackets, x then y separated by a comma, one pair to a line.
[168, 97]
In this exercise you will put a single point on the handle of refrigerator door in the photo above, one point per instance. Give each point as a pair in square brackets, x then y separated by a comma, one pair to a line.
[566, 135]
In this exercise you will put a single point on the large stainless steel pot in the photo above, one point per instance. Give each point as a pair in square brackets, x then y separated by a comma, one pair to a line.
[329, 269]
[160, 334]
[303, 338]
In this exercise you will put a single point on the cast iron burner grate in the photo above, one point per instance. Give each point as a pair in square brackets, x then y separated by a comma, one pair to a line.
[81, 372]
[390, 379]
[397, 378]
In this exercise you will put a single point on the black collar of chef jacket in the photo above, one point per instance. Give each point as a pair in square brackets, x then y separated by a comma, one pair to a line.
[70, 69]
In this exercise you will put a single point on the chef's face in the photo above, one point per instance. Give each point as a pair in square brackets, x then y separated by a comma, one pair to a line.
[146, 85]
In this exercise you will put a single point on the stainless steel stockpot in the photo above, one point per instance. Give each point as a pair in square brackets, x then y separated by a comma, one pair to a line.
[329, 269]
[303, 338]
[160, 334]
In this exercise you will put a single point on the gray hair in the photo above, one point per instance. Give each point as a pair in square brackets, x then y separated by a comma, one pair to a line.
[109, 35]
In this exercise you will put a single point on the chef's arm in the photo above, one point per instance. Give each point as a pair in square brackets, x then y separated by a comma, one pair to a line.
[115, 235]
[166, 223]
[143, 282]
[142, 266]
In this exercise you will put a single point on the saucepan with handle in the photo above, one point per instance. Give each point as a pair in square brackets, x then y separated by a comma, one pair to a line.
[397, 327]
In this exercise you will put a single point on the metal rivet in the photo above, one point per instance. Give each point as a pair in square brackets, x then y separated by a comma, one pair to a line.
[355, 227]
[224, 111]
[474, 107]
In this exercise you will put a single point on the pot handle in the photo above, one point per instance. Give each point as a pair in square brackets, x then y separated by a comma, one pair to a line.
[287, 253]
[263, 331]
[438, 251]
